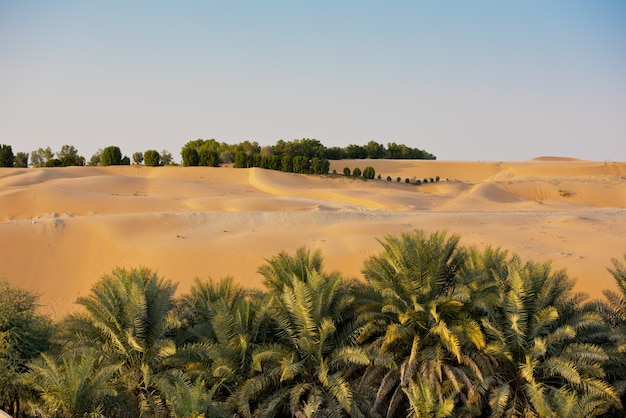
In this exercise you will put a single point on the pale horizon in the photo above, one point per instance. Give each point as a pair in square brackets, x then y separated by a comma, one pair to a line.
[486, 80]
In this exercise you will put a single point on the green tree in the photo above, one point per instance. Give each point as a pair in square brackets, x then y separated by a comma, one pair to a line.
[152, 158]
[21, 159]
[6, 156]
[355, 152]
[137, 157]
[166, 158]
[209, 157]
[369, 173]
[304, 370]
[190, 157]
[286, 162]
[301, 164]
[41, 156]
[76, 387]
[96, 158]
[68, 156]
[129, 319]
[417, 312]
[111, 155]
[224, 323]
[356, 172]
[24, 334]
[375, 150]
[242, 160]
[346, 171]
[544, 356]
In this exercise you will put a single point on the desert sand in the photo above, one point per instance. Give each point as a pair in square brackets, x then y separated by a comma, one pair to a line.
[63, 228]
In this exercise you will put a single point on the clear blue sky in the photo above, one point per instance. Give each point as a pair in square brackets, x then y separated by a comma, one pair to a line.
[465, 80]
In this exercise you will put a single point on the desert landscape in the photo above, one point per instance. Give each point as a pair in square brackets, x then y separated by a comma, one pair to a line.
[63, 228]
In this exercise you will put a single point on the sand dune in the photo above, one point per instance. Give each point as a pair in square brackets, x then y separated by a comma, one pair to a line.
[62, 228]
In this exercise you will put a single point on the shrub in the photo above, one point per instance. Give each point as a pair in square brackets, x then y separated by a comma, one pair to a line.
[346, 171]
[138, 157]
[111, 156]
[286, 162]
[369, 172]
[190, 157]
[398, 179]
[95, 159]
[152, 158]
[356, 172]
[125, 160]
[379, 177]
[21, 159]
[388, 178]
[425, 180]
[437, 178]
[166, 158]
[301, 164]
[6, 156]
[55, 162]
[418, 182]
[208, 157]
[407, 180]
[432, 180]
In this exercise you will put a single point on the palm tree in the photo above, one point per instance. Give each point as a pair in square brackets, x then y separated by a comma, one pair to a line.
[128, 319]
[545, 357]
[75, 388]
[418, 312]
[304, 368]
[424, 402]
[224, 324]
[24, 334]
[613, 310]
[282, 269]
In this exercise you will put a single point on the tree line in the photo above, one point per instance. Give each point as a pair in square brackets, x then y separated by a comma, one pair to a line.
[212, 153]
[435, 329]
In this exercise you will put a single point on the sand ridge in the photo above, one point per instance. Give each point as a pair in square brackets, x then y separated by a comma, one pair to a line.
[62, 228]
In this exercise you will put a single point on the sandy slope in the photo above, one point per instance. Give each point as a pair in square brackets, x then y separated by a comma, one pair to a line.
[62, 228]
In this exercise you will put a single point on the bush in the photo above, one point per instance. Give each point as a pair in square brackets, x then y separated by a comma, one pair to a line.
[241, 160]
[301, 164]
[398, 179]
[55, 162]
[418, 182]
[21, 159]
[208, 157]
[190, 156]
[111, 156]
[425, 180]
[346, 171]
[138, 157]
[388, 178]
[356, 172]
[432, 180]
[125, 160]
[407, 180]
[437, 179]
[152, 158]
[286, 162]
[369, 172]
[379, 177]
[6, 156]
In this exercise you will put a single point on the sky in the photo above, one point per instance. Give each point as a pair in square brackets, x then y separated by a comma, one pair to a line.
[464, 80]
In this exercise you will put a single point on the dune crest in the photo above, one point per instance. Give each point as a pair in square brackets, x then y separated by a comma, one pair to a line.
[62, 228]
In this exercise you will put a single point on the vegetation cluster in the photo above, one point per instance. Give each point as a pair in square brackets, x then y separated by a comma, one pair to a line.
[435, 329]
[299, 156]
